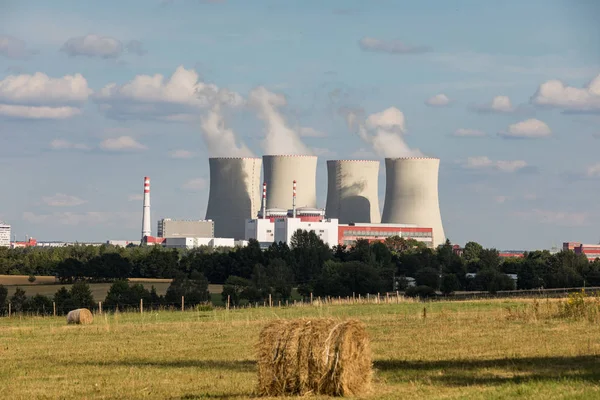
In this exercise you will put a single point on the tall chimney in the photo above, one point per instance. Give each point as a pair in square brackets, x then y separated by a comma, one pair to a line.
[146, 230]
[264, 201]
[294, 201]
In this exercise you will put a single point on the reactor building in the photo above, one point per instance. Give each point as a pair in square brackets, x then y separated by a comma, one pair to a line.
[279, 173]
[352, 194]
[234, 194]
[411, 194]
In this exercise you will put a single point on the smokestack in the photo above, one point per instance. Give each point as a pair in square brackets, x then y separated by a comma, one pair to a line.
[264, 201]
[146, 230]
[294, 201]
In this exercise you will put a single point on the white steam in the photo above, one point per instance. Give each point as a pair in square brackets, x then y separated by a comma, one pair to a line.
[384, 131]
[220, 140]
[279, 137]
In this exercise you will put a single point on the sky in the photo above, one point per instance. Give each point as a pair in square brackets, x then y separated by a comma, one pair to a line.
[96, 95]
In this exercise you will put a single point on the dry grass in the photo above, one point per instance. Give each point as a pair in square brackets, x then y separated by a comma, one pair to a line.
[314, 356]
[466, 350]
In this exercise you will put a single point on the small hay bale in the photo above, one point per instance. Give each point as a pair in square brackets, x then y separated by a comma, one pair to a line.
[314, 356]
[81, 316]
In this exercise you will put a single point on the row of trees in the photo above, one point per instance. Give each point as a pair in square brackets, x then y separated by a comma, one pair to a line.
[252, 274]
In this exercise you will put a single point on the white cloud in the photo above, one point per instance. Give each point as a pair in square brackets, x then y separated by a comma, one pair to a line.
[176, 98]
[593, 171]
[390, 46]
[220, 140]
[531, 128]
[135, 197]
[41, 90]
[122, 143]
[32, 112]
[63, 200]
[499, 104]
[61, 144]
[307, 131]
[279, 137]
[90, 218]
[464, 132]
[439, 100]
[195, 184]
[14, 48]
[555, 93]
[483, 162]
[93, 46]
[558, 218]
[181, 154]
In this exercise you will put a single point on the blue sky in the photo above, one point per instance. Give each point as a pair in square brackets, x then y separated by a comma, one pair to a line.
[503, 92]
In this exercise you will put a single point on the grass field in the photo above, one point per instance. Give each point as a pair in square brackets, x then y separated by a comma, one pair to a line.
[460, 350]
[47, 286]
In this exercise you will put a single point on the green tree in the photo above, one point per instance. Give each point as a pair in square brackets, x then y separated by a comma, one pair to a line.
[428, 277]
[64, 302]
[280, 278]
[472, 251]
[194, 289]
[3, 296]
[39, 304]
[81, 295]
[233, 288]
[449, 284]
[18, 300]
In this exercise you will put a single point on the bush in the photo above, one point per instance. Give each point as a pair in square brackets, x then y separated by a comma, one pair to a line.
[18, 300]
[31, 278]
[39, 304]
[428, 277]
[193, 289]
[450, 284]
[421, 291]
[3, 297]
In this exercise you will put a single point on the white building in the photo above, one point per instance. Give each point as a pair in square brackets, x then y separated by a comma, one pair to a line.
[194, 242]
[123, 243]
[4, 235]
[263, 230]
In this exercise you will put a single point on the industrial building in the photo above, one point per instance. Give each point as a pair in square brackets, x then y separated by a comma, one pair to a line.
[591, 251]
[279, 173]
[194, 242]
[352, 194]
[234, 194]
[349, 234]
[4, 235]
[411, 194]
[170, 228]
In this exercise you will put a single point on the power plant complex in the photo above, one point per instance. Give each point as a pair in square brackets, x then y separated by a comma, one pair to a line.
[236, 212]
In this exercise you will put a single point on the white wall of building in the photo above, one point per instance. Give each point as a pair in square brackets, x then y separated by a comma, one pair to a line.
[326, 230]
[262, 230]
[193, 242]
[4, 235]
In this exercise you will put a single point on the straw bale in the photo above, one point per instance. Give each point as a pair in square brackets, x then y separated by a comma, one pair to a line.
[80, 316]
[314, 356]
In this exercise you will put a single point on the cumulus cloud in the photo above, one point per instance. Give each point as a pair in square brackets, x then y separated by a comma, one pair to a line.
[555, 93]
[121, 143]
[439, 100]
[220, 140]
[499, 104]
[61, 144]
[63, 200]
[195, 184]
[177, 98]
[390, 46]
[38, 96]
[279, 137]
[483, 162]
[181, 154]
[531, 128]
[384, 131]
[14, 48]
[464, 132]
[93, 46]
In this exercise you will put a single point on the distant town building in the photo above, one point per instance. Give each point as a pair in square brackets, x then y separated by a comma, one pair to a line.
[123, 243]
[591, 251]
[4, 235]
[30, 242]
[170, 228]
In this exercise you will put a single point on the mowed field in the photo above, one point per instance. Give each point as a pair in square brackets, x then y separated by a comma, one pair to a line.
[459, 350]
[47, 286]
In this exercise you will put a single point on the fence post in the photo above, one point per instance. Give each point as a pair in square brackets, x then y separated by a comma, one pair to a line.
[228, 300]
[141, 306]
[311, 297]
[397, 297]
[182, 303]
[100, 307]
[270, 301]
[53, 309]
[9, 309]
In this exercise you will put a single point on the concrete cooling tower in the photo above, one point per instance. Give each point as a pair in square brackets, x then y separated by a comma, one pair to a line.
[234, 194]
[352, 191]
[411, 194]
[281, 171]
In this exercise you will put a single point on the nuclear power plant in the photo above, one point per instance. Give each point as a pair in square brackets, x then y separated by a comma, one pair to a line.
[411, 194]
[289, 202]
[352, 191]
[279, 173]
[234, 194]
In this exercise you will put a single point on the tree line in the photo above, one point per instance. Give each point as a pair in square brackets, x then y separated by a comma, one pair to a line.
[251, 274]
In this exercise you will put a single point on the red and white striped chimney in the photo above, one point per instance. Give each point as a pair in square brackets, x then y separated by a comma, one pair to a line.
[294, 201]
[264, 201]
[146, 223]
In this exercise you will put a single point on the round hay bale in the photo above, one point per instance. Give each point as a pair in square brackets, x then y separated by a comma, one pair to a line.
[81, 316]
[314, 356]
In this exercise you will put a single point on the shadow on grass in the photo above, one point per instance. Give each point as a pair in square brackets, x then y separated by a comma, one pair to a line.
[237, 366]
[491, 372]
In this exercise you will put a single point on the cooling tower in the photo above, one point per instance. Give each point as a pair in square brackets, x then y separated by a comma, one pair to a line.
[280, 173]
[234, 194]
[352, 191]
[411, 194]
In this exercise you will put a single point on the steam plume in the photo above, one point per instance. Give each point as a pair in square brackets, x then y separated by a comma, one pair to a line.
[220, 140]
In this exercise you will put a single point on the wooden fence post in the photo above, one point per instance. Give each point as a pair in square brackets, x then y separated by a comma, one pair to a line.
[100, 307]
[311, 297]
[182, 303]
[141, 306]
[270, 301]
[9, 309]
[228, 300]
[397, 297]
[53, 309]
